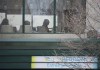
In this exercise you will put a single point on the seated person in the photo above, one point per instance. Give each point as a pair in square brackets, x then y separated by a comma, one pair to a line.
[5, 27]
[27, 23]
[14, 29]
[44, 27]
[5, 21]
[45, 24]
[27, 26]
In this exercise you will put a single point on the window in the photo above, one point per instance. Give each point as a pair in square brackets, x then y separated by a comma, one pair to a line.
[46, 16]
[10, 15]
[40, 27]
[39, 14]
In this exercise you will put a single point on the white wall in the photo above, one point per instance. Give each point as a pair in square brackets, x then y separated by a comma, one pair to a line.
[16, 20]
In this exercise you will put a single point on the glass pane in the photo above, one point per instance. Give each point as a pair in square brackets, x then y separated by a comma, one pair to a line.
[39, 16]
[71, 16]
[10, 16]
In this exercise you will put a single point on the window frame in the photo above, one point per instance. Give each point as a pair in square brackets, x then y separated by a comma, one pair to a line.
[54, 20]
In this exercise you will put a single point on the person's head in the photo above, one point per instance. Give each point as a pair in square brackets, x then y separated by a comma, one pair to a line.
[5, 21]
[46, 22]
[27, 23]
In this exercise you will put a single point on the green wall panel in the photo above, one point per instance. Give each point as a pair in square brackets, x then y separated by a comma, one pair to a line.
[15, 65]
[11, 59]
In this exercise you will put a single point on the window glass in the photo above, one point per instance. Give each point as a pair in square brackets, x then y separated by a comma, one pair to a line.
[10, 16]
[71, 16]
[39, 16]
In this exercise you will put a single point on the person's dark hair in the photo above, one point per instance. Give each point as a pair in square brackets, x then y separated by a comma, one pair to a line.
[5, 21]
[46, 22]
[27, 23]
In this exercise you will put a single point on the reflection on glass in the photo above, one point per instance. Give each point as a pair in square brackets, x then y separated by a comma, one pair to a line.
[36, 12]
[71, 16]
[10, 16]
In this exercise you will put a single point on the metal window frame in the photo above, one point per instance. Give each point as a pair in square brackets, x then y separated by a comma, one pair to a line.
[23, 20]
[54, 19]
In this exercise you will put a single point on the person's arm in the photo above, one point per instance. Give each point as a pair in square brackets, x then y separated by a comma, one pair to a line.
[47, 29]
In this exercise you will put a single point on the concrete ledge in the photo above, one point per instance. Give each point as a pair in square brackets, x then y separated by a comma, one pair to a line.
[41, 36]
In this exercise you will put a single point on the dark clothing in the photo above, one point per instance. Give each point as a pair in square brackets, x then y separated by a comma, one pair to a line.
[5, 22]
[45, 24]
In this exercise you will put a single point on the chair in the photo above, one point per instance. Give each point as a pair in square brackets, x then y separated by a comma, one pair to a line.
[6, 29]
[14, 29]
[41, 29]
[28, 29]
